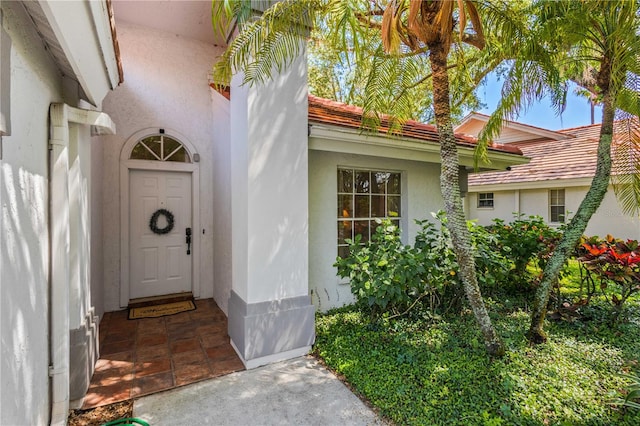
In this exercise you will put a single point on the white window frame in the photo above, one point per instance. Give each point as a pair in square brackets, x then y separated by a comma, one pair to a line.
[561, 216]
[485, 199]
[397, 219]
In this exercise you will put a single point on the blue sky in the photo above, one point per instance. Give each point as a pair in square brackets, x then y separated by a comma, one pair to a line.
[577, 112]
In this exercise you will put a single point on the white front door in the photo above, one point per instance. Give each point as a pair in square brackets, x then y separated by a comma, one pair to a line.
[159, 263]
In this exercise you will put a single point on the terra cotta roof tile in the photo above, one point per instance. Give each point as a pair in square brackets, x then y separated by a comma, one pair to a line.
[569, 158]
[325, 111]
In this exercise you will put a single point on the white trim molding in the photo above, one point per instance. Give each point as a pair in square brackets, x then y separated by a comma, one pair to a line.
[60, 116]
[353, 141]
[126, 165]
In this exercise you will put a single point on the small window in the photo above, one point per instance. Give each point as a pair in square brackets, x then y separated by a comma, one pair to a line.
[485, 199]
[364, 196]
[556, 202]
[160, 148]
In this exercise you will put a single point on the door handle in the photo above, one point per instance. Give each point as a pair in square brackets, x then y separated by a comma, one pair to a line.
[188, 232]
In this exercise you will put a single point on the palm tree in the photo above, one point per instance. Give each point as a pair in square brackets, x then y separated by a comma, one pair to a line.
[407, 29]
[603, 48]
[431, 27]
[597, 45]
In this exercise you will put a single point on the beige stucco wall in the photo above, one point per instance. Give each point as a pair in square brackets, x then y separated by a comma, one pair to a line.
[608, 219]
[420, 197]
[166, 86]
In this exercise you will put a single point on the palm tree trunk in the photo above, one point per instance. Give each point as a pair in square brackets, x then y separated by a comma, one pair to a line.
[449, 185]
[578, 224]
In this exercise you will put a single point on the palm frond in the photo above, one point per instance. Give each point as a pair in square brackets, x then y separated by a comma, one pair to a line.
[266, 43]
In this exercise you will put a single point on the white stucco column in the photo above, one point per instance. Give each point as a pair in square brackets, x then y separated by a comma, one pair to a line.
[270, 312]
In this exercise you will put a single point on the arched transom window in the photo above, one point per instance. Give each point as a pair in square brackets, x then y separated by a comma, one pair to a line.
[160, 148]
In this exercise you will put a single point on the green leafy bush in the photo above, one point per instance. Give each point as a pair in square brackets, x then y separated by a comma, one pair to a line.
[389, 277]
[525, 241]
[385, 275]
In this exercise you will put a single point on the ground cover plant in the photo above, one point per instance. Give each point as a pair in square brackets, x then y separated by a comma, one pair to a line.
[418, 371]
[420, 362]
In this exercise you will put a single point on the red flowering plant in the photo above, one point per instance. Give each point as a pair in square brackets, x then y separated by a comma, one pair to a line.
[611, 266]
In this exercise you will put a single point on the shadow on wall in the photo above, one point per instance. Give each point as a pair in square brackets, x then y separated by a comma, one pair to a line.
[25, 295]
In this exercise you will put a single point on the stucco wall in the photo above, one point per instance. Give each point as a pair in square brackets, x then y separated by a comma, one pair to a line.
[166, 86]
[24, 253]
[420, 197]
[504, 205]
[221, 152]
[608, 219]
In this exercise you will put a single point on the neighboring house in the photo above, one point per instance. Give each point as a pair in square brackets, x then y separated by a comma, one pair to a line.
[270, 181]
[551, 185]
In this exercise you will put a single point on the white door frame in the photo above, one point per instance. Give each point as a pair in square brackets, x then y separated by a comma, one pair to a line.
[126, 165]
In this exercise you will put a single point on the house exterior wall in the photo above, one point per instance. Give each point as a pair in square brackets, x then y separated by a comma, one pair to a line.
[222, 261]
[504, 205]
[24, 254]
[420, 196]
[608, 219]
[270, 312]
[166, 86]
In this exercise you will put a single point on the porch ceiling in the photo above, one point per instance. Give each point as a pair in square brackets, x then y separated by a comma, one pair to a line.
[191, 19]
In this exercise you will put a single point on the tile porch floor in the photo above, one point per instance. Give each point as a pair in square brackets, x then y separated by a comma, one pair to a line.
[144, 356]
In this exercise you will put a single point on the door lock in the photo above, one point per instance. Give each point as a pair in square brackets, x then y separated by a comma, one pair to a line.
[188, 232]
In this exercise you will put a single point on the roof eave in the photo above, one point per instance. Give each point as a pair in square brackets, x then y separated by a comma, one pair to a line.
[323, 137]
[507, 124]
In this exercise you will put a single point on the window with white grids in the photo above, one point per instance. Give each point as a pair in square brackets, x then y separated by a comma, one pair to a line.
[485, 199]
[160, 148]
[556, 203]
[363, 197]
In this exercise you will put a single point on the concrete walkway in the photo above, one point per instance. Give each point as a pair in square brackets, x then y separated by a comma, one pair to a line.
[294, 392]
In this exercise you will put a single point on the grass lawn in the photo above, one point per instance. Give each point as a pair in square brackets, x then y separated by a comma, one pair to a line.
[423, 372]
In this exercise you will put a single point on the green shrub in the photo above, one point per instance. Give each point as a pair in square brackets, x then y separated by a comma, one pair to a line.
[526, 242]
[388, 277]
[385, 275]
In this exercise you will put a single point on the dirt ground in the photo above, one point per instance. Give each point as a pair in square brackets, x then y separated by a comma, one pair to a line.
[101, 415]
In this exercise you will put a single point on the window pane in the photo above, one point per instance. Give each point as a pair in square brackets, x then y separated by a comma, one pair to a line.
[393, 187]
[173, 150]
[393, 206]
[345, 228]
[153, 143]
[140, 152]
[345, 180]
[362, 206]
[379, 182]
[345, 205]
[343, 251]
[160, 148]
[362, 182]
[378, 206]
[361, 227]
[557, 213]
[485, 199]
[373, 226]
